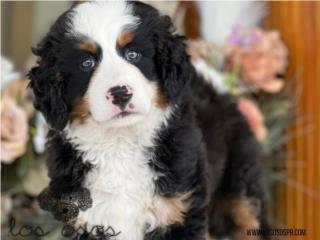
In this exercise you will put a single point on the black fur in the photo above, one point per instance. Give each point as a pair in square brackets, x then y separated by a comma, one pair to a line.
[57, 81]
[172, 63]
[207, 147]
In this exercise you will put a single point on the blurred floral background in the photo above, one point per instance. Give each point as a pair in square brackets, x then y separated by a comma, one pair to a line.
[232, 44]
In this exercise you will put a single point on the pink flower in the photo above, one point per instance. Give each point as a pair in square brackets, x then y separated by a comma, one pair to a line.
[254, 117]
[260, 56]
[14, 130]
[15, 109]
[260, 69]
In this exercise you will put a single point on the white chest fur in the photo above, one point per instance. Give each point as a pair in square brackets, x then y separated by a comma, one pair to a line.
[121, 186]
[121, 182]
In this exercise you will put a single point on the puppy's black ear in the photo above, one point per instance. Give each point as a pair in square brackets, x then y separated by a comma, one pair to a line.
[47, 82]
[47, 85]
[172, 62]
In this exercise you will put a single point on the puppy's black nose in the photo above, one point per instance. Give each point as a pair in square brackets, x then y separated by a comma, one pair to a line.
[120, 96]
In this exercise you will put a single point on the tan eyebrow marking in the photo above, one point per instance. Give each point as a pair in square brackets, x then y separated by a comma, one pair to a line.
[124, 38]
[88, 46]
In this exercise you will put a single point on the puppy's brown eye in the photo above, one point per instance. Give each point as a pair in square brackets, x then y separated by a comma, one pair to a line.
[132, 56]
[87, 64]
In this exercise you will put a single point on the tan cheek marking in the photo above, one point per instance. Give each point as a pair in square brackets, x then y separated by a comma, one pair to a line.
[168, 211]
[80, 111]
[124, 38]
[159, 99]
[88, 46]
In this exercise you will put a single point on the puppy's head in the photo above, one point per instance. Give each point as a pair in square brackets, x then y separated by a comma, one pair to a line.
[111, 62]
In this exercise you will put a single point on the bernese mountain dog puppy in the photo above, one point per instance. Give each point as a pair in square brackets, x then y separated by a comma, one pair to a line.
[138, 142]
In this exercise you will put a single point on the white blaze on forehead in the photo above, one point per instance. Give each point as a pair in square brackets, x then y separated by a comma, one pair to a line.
[102, 21]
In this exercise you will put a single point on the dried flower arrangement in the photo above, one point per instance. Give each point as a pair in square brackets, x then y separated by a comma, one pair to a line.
[249, 65]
